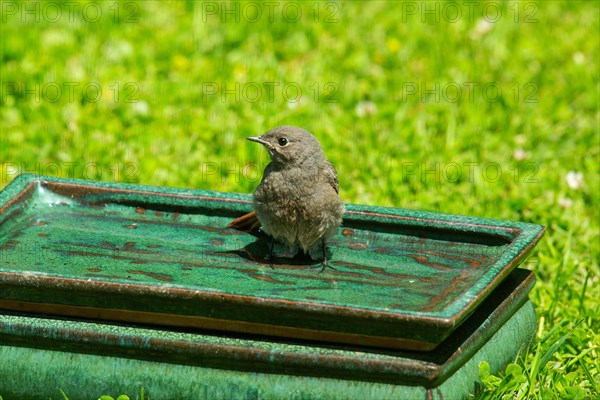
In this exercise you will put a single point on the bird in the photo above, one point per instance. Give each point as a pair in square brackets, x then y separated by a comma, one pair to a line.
[297, 202]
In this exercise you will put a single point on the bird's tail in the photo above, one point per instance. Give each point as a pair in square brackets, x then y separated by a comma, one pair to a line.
[246, 222]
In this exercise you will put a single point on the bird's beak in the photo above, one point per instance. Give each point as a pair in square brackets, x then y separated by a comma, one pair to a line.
[258, 139]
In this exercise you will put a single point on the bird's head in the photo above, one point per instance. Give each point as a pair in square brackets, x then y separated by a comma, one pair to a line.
[290, 146]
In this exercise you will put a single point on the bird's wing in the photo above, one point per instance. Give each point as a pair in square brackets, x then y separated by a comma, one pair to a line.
[249, 221]
[331, 175]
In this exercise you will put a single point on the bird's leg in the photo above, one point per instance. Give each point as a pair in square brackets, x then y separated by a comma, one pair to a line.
[324, 263]
[271, 252]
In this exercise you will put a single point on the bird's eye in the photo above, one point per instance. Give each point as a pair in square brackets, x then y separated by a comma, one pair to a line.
[282, 141]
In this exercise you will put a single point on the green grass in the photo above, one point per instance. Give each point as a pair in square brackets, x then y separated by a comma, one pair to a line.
[141, 396]
[505, 156]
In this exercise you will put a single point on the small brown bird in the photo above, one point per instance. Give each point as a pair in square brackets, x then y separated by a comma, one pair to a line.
[297, 201]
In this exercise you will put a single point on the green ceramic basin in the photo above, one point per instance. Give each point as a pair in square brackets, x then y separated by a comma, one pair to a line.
[108, 285]
[401, 279]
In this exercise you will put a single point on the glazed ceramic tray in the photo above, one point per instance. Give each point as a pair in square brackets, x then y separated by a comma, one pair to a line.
[399, 278]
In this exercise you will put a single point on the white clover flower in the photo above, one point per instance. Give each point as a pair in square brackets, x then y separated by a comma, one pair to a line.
[483, 26]
[575, 180]
[365, 108]
[520, 154]
[140, 108]
[565, 202]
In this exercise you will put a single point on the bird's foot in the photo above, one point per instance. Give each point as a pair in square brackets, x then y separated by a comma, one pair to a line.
[324, 265]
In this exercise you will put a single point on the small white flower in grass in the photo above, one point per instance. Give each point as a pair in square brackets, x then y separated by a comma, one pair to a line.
[483, 26]
[575, 180]
[140, 108]
[520, 154]
[296, 102]
[565, 202]
[365, 108]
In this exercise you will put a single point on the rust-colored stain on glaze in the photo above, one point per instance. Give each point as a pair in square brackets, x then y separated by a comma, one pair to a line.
[358, 246]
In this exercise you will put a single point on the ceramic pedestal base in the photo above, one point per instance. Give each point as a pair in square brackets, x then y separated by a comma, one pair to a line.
[40, 355]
